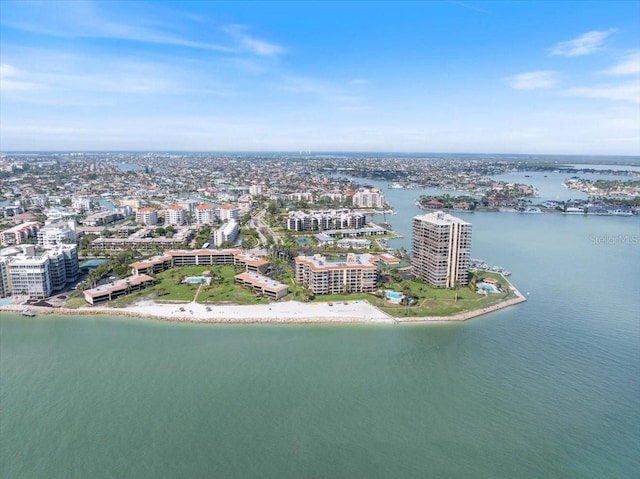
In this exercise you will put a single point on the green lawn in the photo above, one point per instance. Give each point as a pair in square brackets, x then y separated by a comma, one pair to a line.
[168, 288]
[429, 301]
[223, 289]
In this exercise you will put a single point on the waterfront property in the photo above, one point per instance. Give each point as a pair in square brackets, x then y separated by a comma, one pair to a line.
[441, 247]
[37, 273]
[263, 285]
[394, 297]
[355, 273]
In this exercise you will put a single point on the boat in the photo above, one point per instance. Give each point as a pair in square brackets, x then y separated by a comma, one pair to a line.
[28, 312]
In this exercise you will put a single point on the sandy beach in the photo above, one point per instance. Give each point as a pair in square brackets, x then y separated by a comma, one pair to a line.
[290, 312]
[284, 312]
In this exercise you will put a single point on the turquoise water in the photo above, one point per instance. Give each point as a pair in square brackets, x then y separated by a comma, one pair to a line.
[547, 389]
[92, 263]
[487, 287]
[393, 295]
[195, 280]
[4, 302]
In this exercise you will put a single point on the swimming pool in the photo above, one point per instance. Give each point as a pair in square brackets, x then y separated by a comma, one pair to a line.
[92, 263]
[393, 296]
[195, 280]
[4, 302]
[489, 288]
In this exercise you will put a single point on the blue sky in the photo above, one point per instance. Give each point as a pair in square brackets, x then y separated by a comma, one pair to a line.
[546, 77]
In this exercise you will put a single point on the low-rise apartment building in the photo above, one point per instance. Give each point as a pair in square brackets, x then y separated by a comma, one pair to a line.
[19, 234]
[263, 285]
[110, 291]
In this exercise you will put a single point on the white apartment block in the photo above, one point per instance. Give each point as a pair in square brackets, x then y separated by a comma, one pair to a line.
[5, 285]
[227, 232]
[81, 203]
[203, 214]
[147, 216]
[57, 233]
[103, 218]
[228, 212]
[188, 204]
[441, 249]
[356, 273]
[39, 274]
[306, 196]
[325, 220]
[257, 188]
[19, 234]
[368, 198]
[175, 215]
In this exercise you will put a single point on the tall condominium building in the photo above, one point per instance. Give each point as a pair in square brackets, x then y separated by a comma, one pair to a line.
[175, 215]
[147, 216]
[357, 273]
[368, 198]
[228, 212]
[203, 214]
[441, 248]
[38, 274]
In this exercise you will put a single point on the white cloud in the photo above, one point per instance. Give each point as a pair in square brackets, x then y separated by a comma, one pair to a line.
[629, 66]
[252, 44]
[533, 80]
[8, 82]
[583, 45]
[629, 91]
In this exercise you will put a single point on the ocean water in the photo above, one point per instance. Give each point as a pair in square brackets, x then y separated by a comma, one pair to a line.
[549, 388]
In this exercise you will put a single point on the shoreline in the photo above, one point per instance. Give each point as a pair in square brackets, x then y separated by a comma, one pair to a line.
[287, 312]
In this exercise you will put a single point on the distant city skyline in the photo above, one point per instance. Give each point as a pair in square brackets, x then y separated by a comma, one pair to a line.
[451, 76]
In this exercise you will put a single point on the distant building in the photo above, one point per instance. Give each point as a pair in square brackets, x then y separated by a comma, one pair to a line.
[368, 198]
[103, 218]
[441, 248]
[228, 212]
[82, 203]
[257, 188]
[19, 234]
[187, 204]
[244, 204]
[227, 232]
[134, 203]
[175, 215]
[325, 220]
[147, 216]
[57, 233]
[55, 215]
[203, 214]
